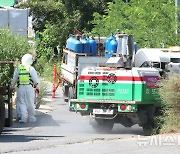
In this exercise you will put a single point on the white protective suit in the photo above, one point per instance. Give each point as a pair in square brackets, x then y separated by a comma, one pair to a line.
[26, 93]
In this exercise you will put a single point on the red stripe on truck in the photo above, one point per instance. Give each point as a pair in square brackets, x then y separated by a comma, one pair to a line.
[119, 78]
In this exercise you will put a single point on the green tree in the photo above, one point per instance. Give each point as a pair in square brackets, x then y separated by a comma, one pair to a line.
[53, 11]
[151, 22]
[12, 48]
[54, 20]
[53, 24]
[63, 16]
[86, 8]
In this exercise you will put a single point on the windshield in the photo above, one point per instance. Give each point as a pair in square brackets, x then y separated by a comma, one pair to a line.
[151, 64]
[175, 60]
[156, 64]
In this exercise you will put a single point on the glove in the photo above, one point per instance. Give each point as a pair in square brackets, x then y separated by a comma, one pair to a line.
[37, 91]
[13, 90]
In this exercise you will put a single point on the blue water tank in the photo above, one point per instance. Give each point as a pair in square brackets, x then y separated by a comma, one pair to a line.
[74, 44]
[107, 54]
[69, 42]
[77, 45]
[113, 45]
[86, 45]
[87, 37]
[93, 46]
[108, 42]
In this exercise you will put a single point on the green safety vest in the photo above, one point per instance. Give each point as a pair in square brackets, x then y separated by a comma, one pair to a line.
[24, 77]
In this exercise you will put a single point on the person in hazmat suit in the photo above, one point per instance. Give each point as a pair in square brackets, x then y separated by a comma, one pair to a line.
[26, 79]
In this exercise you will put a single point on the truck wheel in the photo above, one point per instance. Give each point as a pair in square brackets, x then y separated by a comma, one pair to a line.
[70, 93]
[2, 114]
[9, 120]
[153, 126]
[148, 130]
[65, 92]
[148, 120]
[101, 125]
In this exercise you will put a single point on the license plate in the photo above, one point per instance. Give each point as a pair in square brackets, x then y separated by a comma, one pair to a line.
[102, 111]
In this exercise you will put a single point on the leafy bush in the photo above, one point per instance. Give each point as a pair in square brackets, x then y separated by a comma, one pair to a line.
[170, 95]
[12, 48]
[45, 56]
[45, 68]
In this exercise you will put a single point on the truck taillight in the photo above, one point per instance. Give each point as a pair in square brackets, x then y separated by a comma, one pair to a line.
[83, 106]
[129, 108]
[123, 107]
[76, 105]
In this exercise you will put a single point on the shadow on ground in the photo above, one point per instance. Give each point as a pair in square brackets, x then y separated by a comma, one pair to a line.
[6, 136]
[42, 120]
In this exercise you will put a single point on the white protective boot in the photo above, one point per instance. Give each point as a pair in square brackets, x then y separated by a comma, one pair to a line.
[23, 120]
[18, 118]
[23, 117]
[31, 119]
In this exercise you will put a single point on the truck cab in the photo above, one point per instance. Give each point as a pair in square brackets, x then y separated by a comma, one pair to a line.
[152, 57]
[174, 65]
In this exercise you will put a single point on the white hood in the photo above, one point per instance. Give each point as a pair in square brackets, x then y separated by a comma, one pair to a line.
[151, 55]
[27, 59]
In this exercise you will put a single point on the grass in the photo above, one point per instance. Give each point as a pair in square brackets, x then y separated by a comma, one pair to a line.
[170, 95]
[171, 122]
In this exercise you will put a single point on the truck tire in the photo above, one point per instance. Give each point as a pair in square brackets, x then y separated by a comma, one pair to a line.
[71, 93]
[154, 123]
[9, 119]
[65, 92]
[2, 114]
[101, 125]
